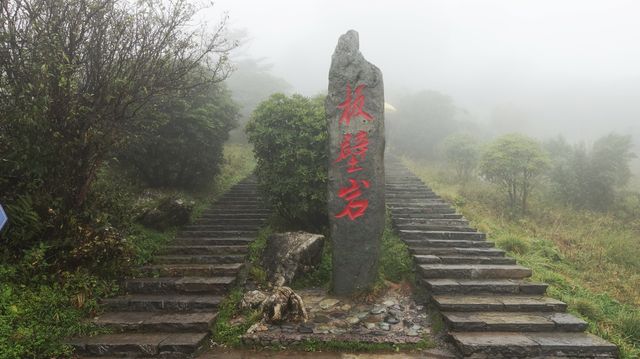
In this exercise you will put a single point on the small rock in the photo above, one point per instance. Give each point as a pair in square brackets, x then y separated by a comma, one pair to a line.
[384, 326]
[328, 303]
[321, 329]
[337, 331]
[257, 327]
[252, 299]
[321, 318]
[353, 320]
[411, 333]
[416, 327]
[378, 310]
[389, 302]
[362, 315]
[370, 325]
[391, 319]
[346, 307]
[374, 319]
[305, 329]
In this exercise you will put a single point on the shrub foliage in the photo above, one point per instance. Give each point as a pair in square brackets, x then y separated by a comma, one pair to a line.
[289, 135]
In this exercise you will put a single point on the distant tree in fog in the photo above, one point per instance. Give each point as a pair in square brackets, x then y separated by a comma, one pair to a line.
[463, 152]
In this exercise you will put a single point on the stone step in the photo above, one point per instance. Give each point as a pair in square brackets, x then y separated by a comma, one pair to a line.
[162, 302]
[203, 250]
[222, 227]
[438, 243]
[155, 321]
[216, 211]
[433, 227]
[415, 195]
[532, 345]
[426, 259]
[175, 285]
[191, 270]
[222, 215]
[232, 221]
[483, 286]
[475, 260]
[512, 322]
[429, 216]
[235, 201]
[474, 271]
[233, 206]
[218, 233]
[444, 222]
[205, 241]
[418, 234]
[209, 259]
[497, 303]
[458, 251]
[422, 208]
[141, 344]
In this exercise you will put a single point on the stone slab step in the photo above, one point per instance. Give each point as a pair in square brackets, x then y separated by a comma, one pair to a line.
[215, 212]
[484, 286]
[420, 243]
[417, 234]
[209, 259]
[155, 321]
[512, 322]
[192, 270]
[175, 285]
[497, 303]
[532, 345]
[426, 259]
[433, 227]
[205, 241]
[233, 221]
[141, 344]
[409, 208]
[218, 233]
[222, 227]
[438, 251]
[177, 249]
[427, 216]
[476, 260]
[221, 214]
[444, 222]
[474, 271]
[162, 302]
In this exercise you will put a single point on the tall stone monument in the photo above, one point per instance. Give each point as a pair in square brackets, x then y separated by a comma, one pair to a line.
[355, 115]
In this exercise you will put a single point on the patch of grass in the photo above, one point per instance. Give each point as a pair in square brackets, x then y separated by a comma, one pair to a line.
[396, 263]
[224, 330]
[513, 244]
[588, 259]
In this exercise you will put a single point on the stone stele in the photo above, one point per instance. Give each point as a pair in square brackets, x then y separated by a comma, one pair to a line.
[355, 116]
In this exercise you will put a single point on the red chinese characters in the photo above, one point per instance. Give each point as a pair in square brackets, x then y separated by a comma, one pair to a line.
[353, 150]
[353, 108]
[356, 207]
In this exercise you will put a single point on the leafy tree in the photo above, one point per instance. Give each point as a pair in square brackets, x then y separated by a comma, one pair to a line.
[75, 77]
[290, 140]
[421, 121]
[513, 162]
[463, 152]
[590, 178]
[185, 150]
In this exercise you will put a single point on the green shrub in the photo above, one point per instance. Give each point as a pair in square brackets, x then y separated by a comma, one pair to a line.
[289, 135]
[185, 151]
[462, 151]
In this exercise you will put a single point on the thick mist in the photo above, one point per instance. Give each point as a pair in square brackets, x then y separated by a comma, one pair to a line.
[539, 67]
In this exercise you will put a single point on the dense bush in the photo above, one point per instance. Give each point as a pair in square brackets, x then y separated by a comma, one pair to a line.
[513, 162]
[463, 152]
[590, 178]
[289, 135]
[185, 149]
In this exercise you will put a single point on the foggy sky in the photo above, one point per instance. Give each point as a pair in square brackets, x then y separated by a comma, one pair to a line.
[568, 66]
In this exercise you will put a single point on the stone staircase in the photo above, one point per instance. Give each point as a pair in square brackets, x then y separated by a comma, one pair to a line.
[168, 310]
[489, 307]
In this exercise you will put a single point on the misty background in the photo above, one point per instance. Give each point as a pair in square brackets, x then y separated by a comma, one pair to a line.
[539, 67]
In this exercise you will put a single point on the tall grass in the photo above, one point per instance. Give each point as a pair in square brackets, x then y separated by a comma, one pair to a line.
[591, 260]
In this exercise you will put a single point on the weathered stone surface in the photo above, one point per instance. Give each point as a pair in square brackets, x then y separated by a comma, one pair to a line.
[355, 108]
[283, 305]
[291, 254]
[253, 299]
